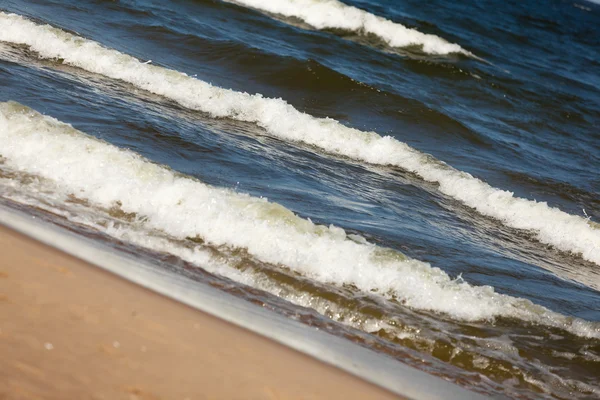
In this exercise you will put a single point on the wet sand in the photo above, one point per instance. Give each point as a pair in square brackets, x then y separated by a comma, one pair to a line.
[69, 330]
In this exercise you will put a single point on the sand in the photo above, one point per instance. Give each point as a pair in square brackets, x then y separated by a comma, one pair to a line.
[69, 330]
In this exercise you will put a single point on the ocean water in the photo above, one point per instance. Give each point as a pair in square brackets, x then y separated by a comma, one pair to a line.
[422, 179]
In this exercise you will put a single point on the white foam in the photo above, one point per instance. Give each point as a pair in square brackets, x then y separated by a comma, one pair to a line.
[549, 225]
[183, 207]
[333, 14]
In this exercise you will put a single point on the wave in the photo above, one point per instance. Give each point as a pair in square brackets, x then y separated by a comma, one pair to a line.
[332, 14]
[103, 175]
[569, 233]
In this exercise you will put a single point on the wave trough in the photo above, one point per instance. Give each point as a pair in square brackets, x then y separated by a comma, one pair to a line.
[106, 176]
[333, 14]
[549, 225]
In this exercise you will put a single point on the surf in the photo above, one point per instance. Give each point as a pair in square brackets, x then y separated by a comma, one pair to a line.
[549, 225]
[160, 199]
[333, 14]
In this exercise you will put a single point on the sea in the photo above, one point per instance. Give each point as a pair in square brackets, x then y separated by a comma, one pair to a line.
[420, 178]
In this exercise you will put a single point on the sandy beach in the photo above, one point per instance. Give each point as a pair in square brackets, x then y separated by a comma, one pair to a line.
[290, 199]
[69, 330]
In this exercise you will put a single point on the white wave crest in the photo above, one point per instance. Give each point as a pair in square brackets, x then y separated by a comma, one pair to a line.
[549, 225]
[333, 14]
[105, 176]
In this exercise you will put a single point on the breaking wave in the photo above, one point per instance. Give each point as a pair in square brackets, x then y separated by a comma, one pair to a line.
[332, 14]
[549, 225]
[105, 176]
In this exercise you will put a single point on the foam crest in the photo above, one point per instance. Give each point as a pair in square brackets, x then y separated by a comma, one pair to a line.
[549, 225]
[333, 14]
[106, 176]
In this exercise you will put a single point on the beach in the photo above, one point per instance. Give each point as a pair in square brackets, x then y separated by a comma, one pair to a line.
[72, 331]
[301, 197]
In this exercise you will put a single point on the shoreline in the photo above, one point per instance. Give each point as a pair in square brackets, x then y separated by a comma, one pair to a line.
[73, 331]
[51, 338]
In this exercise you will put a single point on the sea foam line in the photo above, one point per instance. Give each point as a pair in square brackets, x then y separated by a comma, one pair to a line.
[550, 225]
[333, 14]
[106, 176]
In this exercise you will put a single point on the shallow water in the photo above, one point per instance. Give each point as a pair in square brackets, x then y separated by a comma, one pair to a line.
[388, 222]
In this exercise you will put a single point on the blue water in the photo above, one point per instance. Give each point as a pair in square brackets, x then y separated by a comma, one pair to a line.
[523, 116]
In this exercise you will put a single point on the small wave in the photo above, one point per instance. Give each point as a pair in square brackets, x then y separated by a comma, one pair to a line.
[332, 14]
[395, 331]
[569, 233]
[106, 176]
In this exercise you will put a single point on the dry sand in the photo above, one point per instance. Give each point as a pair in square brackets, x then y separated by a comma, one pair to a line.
[69, 330]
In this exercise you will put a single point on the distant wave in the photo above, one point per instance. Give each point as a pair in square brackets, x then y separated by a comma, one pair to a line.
[549, 225]
[106, 176]
[332, 14]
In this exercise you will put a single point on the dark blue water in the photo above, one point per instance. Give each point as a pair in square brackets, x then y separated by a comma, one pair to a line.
[523, 116]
